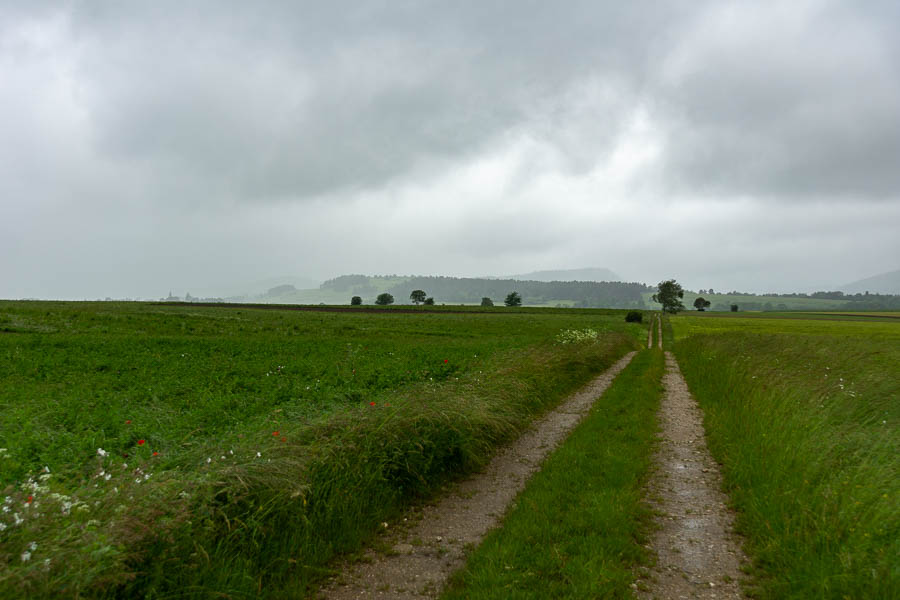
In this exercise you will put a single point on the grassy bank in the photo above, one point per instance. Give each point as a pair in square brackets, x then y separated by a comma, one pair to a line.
[577, 528]
[805, 419]
[157, 449]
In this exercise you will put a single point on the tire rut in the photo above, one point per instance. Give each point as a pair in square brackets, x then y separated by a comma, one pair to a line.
[698, 555]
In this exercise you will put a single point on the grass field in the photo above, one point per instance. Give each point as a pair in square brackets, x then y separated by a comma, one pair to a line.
[803, 412]
[227, 450]
[577, 530]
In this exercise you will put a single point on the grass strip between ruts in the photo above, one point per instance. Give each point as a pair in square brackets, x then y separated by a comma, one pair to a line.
[577, 529]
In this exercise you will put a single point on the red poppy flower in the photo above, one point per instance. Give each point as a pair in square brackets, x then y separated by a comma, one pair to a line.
[128, 421]
[275, 433]
[155, 453]
[371, 404]
[283, 439]
[445, 361]
[141, 442]
[30, 498]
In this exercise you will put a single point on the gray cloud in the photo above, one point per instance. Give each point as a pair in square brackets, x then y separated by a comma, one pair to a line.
[799, 100]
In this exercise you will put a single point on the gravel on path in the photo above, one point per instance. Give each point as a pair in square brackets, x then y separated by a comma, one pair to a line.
[432, 544]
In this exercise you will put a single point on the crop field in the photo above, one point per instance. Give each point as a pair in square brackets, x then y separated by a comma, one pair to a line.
[150, 448]
[803, 411]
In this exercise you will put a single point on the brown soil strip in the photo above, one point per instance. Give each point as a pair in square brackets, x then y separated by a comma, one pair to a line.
[659, 332]
[430, 542]
[328, 308]
[698, 555]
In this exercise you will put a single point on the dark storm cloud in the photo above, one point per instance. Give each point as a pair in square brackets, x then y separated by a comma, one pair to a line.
[272, 101]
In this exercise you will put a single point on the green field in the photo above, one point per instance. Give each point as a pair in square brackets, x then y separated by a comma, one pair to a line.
[804, 413]
[229, 450]
[155, 449]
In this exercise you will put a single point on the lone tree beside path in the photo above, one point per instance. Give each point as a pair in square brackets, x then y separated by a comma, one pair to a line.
[669, 295]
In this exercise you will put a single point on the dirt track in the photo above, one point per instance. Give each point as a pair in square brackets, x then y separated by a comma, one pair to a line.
[432, 545]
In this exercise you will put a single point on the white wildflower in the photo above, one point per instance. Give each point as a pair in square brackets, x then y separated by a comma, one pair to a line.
[18, 520]
[208, 460]
[101, 452]
[2, 526]
[258, 455]
[32, 546]
[26, 556]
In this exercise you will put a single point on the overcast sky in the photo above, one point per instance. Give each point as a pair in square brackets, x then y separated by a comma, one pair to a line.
[156, 146]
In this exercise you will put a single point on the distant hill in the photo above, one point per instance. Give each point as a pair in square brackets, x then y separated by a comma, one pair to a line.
[588, 274]
[461, 290]
[885, 283]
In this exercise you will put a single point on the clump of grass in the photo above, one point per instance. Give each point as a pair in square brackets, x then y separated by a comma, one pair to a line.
[577, 529]
[806, 427]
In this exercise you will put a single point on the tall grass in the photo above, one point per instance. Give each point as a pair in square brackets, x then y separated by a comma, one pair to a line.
[807, 430]
[577, 529]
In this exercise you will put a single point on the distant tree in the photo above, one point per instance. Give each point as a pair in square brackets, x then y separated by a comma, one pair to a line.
[734, 308]
[634, 316]
[513, 299]
[355, 301]
[487, 301]
[417, 296]
[384, 299]
[429, 301]
[669, 295]
[701, 304]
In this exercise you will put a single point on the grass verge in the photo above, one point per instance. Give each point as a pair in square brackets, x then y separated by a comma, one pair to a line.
[576, 530]
[807, 430]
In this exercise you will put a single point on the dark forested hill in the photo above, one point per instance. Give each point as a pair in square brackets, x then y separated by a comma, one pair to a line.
[472, 290]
